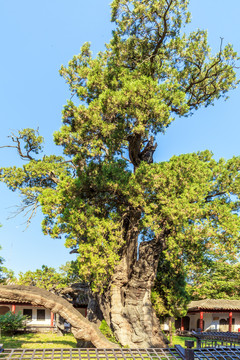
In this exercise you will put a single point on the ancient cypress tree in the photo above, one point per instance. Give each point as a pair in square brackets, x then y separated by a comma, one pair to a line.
[119, 210]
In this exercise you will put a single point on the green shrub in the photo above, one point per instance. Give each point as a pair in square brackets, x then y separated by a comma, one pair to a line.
[11, 322]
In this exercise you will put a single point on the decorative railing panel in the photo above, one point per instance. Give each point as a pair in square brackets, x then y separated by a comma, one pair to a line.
[216, 339]
[176, 353]
[224, 353]
[90, 354]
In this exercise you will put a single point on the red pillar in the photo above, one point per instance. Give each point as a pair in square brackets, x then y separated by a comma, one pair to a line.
[52, 318]
[230, 322]
[201, 320]
[182, 325]
[13, 309]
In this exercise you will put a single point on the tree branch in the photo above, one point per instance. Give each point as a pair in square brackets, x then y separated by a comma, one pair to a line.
[162, 37]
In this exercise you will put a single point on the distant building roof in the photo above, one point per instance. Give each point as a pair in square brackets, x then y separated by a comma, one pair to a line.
[214, 304]
[3, 300]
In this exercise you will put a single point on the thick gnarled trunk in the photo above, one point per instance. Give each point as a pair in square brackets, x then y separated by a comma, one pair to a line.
[126, 304]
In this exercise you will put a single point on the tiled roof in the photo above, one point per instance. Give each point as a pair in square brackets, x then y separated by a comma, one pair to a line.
[3, 300]
[214, 304]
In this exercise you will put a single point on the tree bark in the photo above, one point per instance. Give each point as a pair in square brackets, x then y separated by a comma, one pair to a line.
[94, 313]
[170, 325]
[126, 304]
[84, 331]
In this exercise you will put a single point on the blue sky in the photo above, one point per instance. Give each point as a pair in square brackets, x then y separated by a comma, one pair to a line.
[39, 36]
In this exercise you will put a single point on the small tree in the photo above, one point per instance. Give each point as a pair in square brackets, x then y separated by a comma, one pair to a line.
[10, 322]
[46, 278]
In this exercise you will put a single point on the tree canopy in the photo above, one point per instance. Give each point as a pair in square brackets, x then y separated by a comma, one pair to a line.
[219, 281]
[46, 278]
[49, 278]
[121, 212]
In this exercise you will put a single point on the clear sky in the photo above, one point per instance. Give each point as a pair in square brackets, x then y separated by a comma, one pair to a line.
[36, 38]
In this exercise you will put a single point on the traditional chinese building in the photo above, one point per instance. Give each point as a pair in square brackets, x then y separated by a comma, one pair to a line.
[211, 315]
[42, 319]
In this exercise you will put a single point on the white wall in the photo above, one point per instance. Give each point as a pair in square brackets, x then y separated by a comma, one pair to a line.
[211, 321]
[34, 321]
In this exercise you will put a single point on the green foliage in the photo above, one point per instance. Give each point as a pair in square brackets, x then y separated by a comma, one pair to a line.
[107, 332]
[49, 278]
[158, 304]
[10, 322]
[70, 272]
[7, 276]
[32, 141]
[45, 278]
[221, 280]
[169, 296]
[149, 73]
